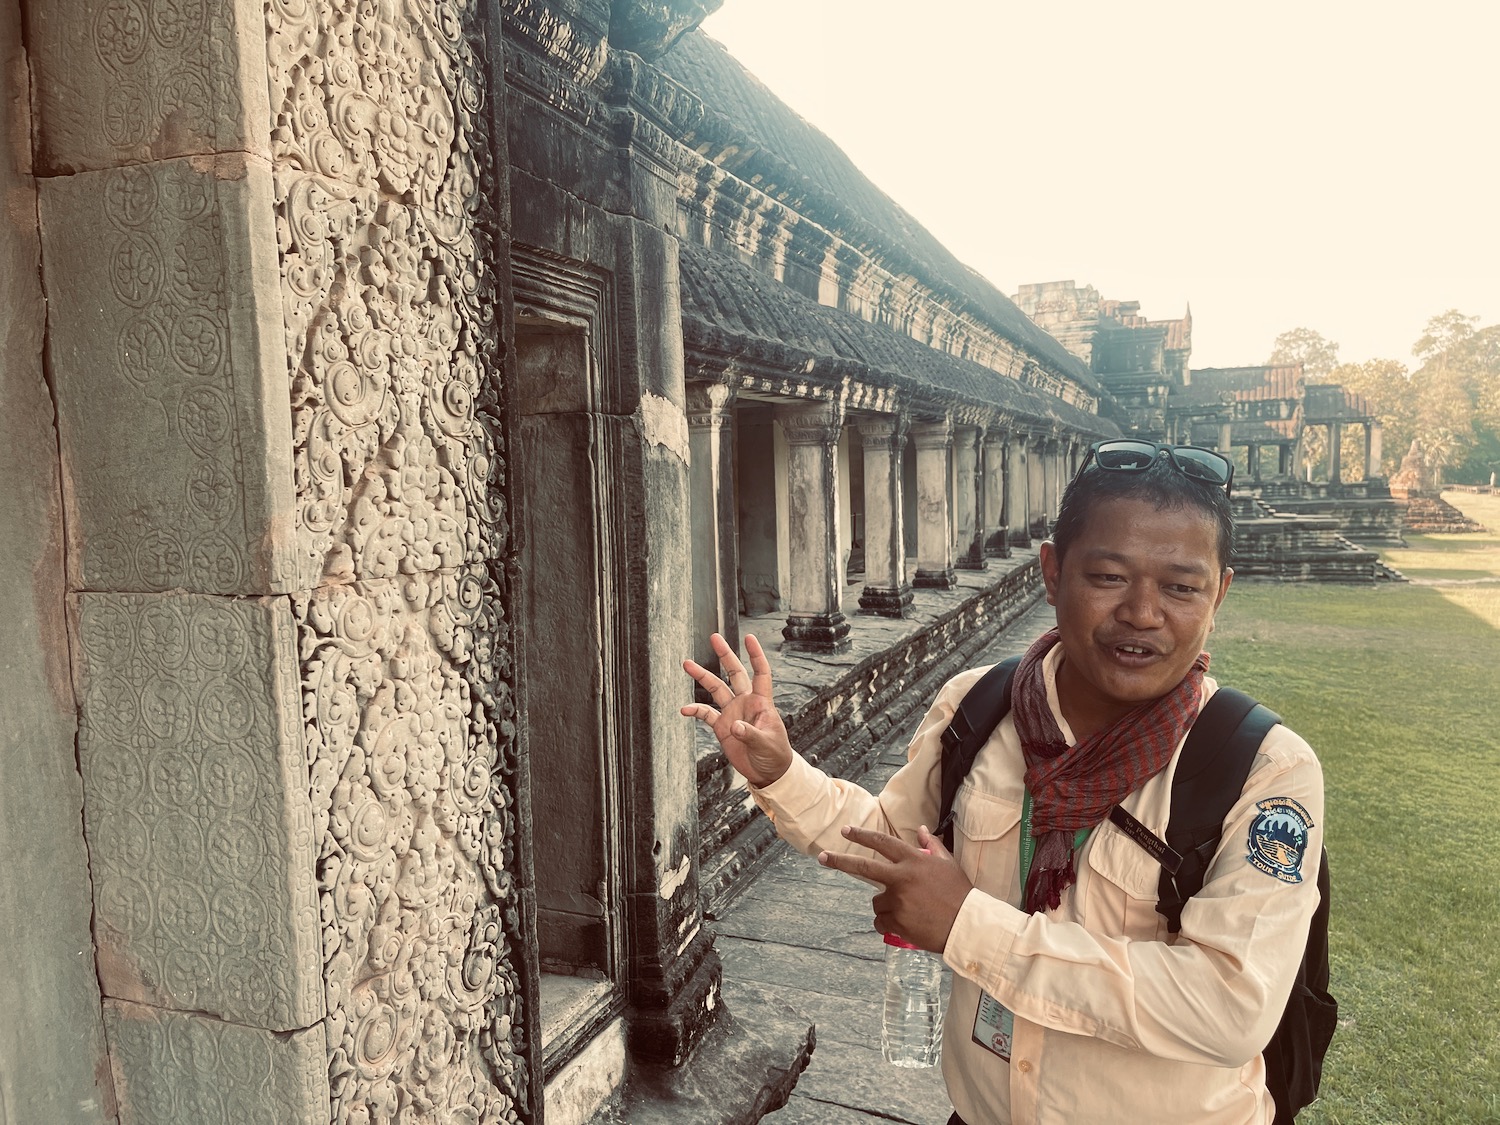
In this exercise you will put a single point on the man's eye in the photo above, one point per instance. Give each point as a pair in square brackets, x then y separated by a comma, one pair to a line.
[1186, 591]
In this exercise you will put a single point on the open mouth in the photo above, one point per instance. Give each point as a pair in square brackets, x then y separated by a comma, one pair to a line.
[1133, 653]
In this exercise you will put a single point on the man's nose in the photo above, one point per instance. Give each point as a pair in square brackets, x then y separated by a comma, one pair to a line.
[1141, 608]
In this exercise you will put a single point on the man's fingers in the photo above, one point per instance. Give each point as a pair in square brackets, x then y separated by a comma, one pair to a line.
[701, 711]
[729, 661]
[930, 843]
[717, 689]
[861, 867]
[761, 684]
[892, 847]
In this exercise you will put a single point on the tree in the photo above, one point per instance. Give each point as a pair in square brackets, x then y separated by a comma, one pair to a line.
[1317, 354]
[1386, 386]
[1456, 396]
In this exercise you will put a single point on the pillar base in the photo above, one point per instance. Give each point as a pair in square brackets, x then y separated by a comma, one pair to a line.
[886, 602]
[1019, 537]
[935, 579]
[997, 546]
[974, 558]
[820, 632]
[674, 1008]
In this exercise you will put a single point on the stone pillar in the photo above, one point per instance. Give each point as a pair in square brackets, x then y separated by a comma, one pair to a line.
[1335, 452]
[815, 619]
[187, 532]
[1226, 437]
[1036, 487]
[1051, 464]
[1017, 492]
[996, 493]
[1373, 435]
[714, 543]
[968, 452]
[1252, 454]
[934, 545]
[886, 592]
[1284, 457]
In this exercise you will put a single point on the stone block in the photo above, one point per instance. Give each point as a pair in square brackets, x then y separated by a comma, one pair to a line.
[171, 379]
[196, 806]
[175, 1068]
[128, 81]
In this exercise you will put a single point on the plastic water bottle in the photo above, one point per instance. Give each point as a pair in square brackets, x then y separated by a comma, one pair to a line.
[911, 1033]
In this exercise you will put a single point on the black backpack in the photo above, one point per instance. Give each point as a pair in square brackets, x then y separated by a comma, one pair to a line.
[1211, 773]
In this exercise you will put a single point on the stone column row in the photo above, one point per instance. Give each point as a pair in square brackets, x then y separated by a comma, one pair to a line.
[980, 491]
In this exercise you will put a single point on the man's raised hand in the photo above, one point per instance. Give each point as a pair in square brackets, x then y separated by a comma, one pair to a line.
[924, 886]
[744, 719]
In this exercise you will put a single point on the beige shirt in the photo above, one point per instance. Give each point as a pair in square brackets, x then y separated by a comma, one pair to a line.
[1115, 1019]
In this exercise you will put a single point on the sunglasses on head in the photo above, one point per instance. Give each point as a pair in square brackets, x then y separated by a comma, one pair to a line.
[1132, 455]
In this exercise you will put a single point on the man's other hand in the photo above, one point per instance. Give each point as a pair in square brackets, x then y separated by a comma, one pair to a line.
[924, 886]
[744, 719]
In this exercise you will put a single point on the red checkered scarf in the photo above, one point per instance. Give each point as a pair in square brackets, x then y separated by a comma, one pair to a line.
[1075, 787]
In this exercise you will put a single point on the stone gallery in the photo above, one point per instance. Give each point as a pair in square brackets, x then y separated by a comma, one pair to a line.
[392, 395]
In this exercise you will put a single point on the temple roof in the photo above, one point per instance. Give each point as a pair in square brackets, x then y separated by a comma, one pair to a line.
[731, 310]
[1252, 384]
[1177, 334]
[1329, 402]
[1269, 431]
[832, 191]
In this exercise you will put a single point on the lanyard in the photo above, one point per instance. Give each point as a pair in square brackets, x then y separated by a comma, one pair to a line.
[1028, 841]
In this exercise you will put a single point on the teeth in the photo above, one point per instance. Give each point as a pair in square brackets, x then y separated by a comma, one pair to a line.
[1133, 648]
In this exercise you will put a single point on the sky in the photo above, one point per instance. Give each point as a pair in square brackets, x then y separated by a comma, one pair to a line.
[1322, 164]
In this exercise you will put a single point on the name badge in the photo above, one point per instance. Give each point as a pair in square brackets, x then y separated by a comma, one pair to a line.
[994, 1026]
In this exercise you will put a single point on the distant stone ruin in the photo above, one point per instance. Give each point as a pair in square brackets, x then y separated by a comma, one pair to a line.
[1426, 510]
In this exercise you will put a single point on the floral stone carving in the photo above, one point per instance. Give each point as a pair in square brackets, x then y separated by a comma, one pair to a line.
[386, 244]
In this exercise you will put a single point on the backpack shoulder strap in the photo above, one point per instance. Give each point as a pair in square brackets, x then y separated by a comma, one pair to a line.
[1210, 777]
[979, 713]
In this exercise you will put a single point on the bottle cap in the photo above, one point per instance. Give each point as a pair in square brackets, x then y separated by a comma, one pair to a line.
[898, 941]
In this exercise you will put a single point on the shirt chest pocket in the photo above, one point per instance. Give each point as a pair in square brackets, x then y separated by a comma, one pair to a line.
[986, 831]
[1120, 889]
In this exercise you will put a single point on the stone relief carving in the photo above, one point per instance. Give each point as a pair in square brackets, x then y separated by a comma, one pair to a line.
[386, 250]
[200, 841]
[184, 388]
[168, 92]
[175, 1067]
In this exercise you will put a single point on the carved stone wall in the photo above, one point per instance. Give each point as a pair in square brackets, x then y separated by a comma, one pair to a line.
[388, 243]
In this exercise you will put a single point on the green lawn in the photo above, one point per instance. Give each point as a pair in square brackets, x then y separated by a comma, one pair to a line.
[1396, 687]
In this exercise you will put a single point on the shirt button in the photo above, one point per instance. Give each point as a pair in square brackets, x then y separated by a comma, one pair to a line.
[1024, 1066]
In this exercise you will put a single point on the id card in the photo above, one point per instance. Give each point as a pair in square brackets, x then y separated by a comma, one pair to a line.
[993, 1026]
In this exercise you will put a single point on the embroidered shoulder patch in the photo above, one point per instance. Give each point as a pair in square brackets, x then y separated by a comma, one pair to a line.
[1278, 838]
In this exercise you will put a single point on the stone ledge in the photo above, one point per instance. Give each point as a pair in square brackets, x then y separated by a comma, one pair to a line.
[744, 1068]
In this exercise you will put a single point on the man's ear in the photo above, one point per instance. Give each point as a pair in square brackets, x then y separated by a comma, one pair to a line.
[1224, 582]
[1051, 570]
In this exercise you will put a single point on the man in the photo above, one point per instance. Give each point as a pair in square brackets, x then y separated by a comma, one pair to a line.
[1095, 1013]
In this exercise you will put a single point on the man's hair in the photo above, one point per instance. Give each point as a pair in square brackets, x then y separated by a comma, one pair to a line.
[1161, 484]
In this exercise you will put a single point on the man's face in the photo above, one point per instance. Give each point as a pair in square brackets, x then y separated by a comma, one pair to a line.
[1135, 599]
